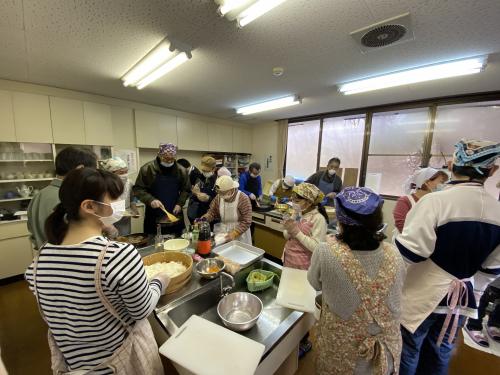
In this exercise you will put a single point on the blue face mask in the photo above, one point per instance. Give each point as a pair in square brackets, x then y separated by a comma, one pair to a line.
[440, 187]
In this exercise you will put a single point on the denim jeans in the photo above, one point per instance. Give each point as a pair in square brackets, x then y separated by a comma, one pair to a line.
[420, 354]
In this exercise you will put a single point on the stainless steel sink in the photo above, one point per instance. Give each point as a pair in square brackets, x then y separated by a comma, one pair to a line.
[274, 322]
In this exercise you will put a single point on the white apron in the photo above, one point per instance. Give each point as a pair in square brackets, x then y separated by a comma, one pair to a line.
[229, 216]
[395, 231]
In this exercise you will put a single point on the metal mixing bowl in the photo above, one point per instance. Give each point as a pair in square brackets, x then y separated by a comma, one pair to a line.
[203, 266]
[239, 311]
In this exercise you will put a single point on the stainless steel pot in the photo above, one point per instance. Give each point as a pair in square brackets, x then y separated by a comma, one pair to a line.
[240, 311]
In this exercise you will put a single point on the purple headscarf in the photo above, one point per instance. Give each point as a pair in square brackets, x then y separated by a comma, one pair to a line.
[360, 200]
[168, 149]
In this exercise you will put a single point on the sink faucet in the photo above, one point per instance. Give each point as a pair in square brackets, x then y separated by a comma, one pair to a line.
[224, 291]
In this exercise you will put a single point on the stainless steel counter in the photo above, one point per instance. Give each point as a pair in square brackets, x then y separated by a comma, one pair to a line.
[201, 296]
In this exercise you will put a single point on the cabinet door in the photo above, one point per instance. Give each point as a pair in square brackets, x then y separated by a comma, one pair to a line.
[98, 124]
[68, 126]
[7, 128]
[15, 256]
[220, 138]
[123, 127]
[32, 118]
[152, 128]
[192, 134]
[242, 140]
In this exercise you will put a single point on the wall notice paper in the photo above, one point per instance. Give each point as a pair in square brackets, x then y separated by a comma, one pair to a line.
[373, 181]
[130, 157]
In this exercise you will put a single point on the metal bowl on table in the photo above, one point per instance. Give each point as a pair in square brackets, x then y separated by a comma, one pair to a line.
[210, 268]
[240, 311]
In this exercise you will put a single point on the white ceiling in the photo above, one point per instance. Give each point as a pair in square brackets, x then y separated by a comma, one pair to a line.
[87, 45]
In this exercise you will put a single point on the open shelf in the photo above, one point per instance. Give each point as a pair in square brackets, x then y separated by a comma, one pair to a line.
[14, 181]
[15, 199]
[26, 161]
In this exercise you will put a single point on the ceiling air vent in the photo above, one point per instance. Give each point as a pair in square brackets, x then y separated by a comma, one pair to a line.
[382, 34]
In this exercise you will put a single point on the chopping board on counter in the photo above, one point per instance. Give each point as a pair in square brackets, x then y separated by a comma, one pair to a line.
[295, 292]
[205, 348]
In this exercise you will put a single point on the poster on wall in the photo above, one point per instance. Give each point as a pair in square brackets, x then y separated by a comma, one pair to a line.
[130, 157]
[373, 181]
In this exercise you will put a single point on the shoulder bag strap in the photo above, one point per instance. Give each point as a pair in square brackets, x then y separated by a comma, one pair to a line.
[100, 292]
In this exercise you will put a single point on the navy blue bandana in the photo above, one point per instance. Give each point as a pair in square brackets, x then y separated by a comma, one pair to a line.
[361, 200]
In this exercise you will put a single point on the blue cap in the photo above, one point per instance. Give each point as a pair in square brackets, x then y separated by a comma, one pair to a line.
[360, 200]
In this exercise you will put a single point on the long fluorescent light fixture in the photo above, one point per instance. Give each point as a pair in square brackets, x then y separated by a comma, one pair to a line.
[163, 58]
[271, 104]
[256, 10]
[426, 73]
[246, 11]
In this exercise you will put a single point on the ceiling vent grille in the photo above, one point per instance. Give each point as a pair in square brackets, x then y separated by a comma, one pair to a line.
[386, 33]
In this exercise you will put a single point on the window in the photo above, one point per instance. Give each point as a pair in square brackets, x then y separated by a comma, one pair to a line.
[343, 137]
[396, 147]
[302, 149]
[470, 121]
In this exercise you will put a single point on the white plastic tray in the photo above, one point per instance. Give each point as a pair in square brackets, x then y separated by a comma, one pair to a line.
[239, 252]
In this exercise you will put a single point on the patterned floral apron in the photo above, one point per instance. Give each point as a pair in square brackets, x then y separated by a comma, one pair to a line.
[341, 343]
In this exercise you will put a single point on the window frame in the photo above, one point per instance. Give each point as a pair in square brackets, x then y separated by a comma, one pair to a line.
[431, 105]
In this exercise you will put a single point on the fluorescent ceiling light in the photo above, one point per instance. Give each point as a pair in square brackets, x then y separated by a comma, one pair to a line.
[425, 73]
[271, 104]
[229, 5]
[256, 10]
[164, 69]
[163, 58]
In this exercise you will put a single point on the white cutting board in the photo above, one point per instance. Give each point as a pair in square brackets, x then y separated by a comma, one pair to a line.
[295, 292]
[204, 348]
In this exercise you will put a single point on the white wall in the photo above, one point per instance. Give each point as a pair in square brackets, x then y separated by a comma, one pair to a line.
[264, 145]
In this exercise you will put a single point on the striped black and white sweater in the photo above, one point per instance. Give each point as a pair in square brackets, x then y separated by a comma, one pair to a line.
[85, 332]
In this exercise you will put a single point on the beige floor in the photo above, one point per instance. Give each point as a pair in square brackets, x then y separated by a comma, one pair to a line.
[24, 346]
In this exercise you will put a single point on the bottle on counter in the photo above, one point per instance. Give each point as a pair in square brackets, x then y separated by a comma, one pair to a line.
[195, 235]
[158, 238]
[204, 239]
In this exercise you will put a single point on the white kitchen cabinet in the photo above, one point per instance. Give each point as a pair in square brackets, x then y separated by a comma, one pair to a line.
[152, 128]
[68, 125]
[98, 124]
[242, 140]
[32, 118]
[123, 127]
[220, 138]
[7, 128]
[192, 134]
[15, 248]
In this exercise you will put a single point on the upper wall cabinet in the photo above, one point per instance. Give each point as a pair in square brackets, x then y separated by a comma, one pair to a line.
[68, 126]
[192, 134]
[220, 138]
[152, 128]
[7, 128]
[242, 140]
[123, 127]
[98, 124]
[32, 118]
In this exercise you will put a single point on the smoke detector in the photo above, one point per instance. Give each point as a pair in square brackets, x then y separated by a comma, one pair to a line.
[393, 31]
[278, 71]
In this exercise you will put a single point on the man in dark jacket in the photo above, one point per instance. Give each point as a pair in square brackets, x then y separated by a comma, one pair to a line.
[203, 191]
[162, 183]
[328, 181]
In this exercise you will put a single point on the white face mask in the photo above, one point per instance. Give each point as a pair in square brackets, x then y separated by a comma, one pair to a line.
[208, 174]
[124, 177]
[440, 187]
[167, 165]
[331, 172]
[118, 208]
[254, 175]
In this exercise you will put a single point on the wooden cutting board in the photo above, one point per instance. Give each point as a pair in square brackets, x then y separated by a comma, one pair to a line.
[205, 348]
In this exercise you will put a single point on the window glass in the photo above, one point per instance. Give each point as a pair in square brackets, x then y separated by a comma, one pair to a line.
[302, 149]
[408, 127]
[343, 137]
